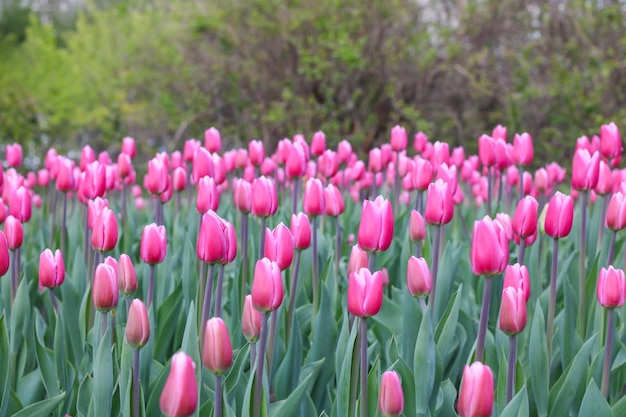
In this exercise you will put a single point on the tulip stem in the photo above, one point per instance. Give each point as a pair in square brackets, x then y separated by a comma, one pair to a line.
[136, 387]
[396, 184]
[63, 223]
[244, 260]
[418, 250]
[252, 354]
[296, 192]
[337, 249]
[292, 295]
[316, 276]
[419, 200]
[13, 275]
[354, 371]
[521, 183]
[206, 305]
[55, 304]
[270, 344]
[500, 189]
[151, 287]
[218, 292]
[521, 251]
[581, 265]
[218, 396]
[552, 302]
[364, 365]
[104, 322]
[201, 285]
[435, 268]
[606, 370]
[371, 261]
[86, 234]
[262, 238]
[510, 375]
[423, 305]
[609, 260]
[260, 359]
[489, 192]
[605, 205]
[123, 203]
[484, 319]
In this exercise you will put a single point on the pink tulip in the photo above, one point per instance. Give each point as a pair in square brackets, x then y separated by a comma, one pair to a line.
[419, 142]
[314, 203]
[458, 157]
[94, 207]
[523, 150]
[476, 392]
[157, 179]
[179, 397]
[487, 150]
[267, 286]
[365, 293]
[217, 353]
[358, 259]
[202, 165]
[610, 141]
[418, 277]
[585, 170]
[153, 248]
[422, 173]
[126, 275]
[104, 233]
[525, 217]
[559, 216]
[398, 139]
[616, 212]
[137, 325]
[513, 314]
[14, 155]
[605, 179]
[417, 227]
[295, 166]
[439, 204]
[264, 198]
[344, 150]
[242, 195]
[212, 245]
[499, 132]
[328, 163]
[179, 179]
[376, 226]
[51, 269]
[104, 291]
[256, 152]
[279, 246]
[516, 276]
[490, 248]
[20, 204]
[208, 197]
[4, 254]
[390, 395]
[212, 140]
[318, 143]
[301, 230]
[128, 147]
[333, 200]
[14, 232]
[251, 320]
[611, 287]
[441, 153]
[189, 149]
[375, 163]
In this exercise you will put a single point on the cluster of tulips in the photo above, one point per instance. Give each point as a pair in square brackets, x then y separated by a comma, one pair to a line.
[368, 300]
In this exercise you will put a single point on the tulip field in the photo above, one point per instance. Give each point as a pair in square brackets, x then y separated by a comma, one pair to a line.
[416, 281]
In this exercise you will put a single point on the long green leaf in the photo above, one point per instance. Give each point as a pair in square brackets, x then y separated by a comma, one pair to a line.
[41, 408]
[103, 377]
[424, 364]
[594, 404]
[538, 362]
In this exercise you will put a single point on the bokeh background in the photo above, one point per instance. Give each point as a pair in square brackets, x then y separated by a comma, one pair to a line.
[74, 72]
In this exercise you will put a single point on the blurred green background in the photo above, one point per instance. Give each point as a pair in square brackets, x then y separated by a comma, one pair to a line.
[162, 71]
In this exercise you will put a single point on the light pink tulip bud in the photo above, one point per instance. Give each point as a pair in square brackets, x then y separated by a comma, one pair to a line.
[419, 142]
[318, 143]
[153, 248]
[513, 314]
[490, 248]
[499, 132]
[128, 147]
[295, 165]
[523, 150]
[14, 155]
[418, 278]
[516, 276]
[267, 286]
[212, 140]
[439, 204]
[179, 179]
[158, 178]
[208, 197]
[301, 231]
[390, 395]
[333, 200]
[104, 291]
[525, 217]
[344, 150]
[190, 149]
[138, 324]
[264, 198]
[605, 179]
[179, 397]
[51, 269]
[417, 227]
[104, 233]
[65, 175]
[217, 353]
[212, 245]
[610, 141]
[616, 212]
[559, 216]
[14, 232]
[376, 226]
[398, 138]
[365, 293]
[585, 170]
[476, 392]
[314, 202]
[256, 152]
[126, 275]
[611, 287]
[251, 320]
[242, 195]
[279, 246]
[20, 204]
[487, 151]
[202, 165]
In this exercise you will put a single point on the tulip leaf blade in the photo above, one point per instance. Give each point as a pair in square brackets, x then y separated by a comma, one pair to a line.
[518, 405]
[594, 403]
[41, 408]
[445, 335]
[5, 363]
[343, 392]
[46, 367]
[290, 406]
[538, 362]
[424, 364]
[103, 376]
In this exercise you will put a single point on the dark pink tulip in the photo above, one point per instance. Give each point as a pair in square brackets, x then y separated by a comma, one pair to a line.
[328, 163]
[51, 269]
[616, 212]
[137, 325]
[386, 153]
[268, 167]
[523, 150]
[513, 314]
[279, 245]
[487, 151]
[231, 241]
[179, 397]
[158, 178]
[212, 140]
[585, 170]
[87, 156]
[251, 320]
[516, 276]
[4, 212]
[390, 395]
[357, 171]
[490, 248]
[219, 169]
[208, 197]
[124, 165]
[295, 166]
[476, 392]
[14, 155]
[104, 232]
[4, 254]
[365, 293]
[128, 147]
[605, 179]
[179, 179]
[333, 200]
[375, 163]
[610, 141]
[458, 157]
[126, 275]
[202, 165]
[282, 151]
[189, 149]
[43, 177]
[499, 132]
[104, 158]
[398, 138]
[104, 291]
[212, 245]
[217, 353]
[94, 180]
[417, 227]
[65, 174]
[422, 173]
[525, 217]
[301, 231]
[242, 195]
[20, 204]
[314, 203]
[318, 143]
[559, 216]
[344, 150]
[419, 142]
[256, 151]
[503, 154]
[611, 287]
[267, 286]
[441, 153]
[512, 176]
[31, 180]
[418, 278]
[376, 226]
[300, 140]
[264, 198]
[439, 204]
[153, 248]
[14, 232]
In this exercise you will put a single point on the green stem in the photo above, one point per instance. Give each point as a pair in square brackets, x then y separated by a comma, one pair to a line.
[136, 387]
[521, 251]
[582, 276]
[206, 305]
[484, 318]
[260, 359]
[218, 396]
[218, 291]
[489, 192]
[364, 366]
[316, 276]
[262, 238]
[435, 268]
[292, 296]
[270, 344]
[552, 302]
[151, 287]
[510, 376]
[609, 260]
[606, 370]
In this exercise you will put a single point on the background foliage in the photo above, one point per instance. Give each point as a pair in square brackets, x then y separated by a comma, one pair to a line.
[163, 71]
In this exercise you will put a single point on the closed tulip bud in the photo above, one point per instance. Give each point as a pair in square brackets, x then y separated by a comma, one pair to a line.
[605, 179]
[504, 222]
[525, 217]
[20, 204]
[376, 227]
[208, 197]
[439, 203]
[344, 150]
[94, 180]
[137, 325]
[523, 150]
[314, 202]
[318, 143]
[158, 178]
[189, 149]
[419, 142]
[217, 353]
[212, 140]
[398, 138]
[390, 395]
[301, 231]
[516, 276]
[179, 397]
[268, 167]
[51, 269]
[610, 141]
[417, 227]
[513, 311]
[104, 293]
[64, 170]
[358, 259]
[231, 243]
[421, 173]
[242, 195]
[212, 245]
[499, 132]
[4, 212]
[279, 246]
[418, 278]
[458, 157]
[559, 215]
[616, 212]
[264, 198]
[94, 207]
[375, 163]
[487, 150]
[13, 232]
[490, 248]
[611, 287]
[153, 248]
[126, 275]
[585, 170]
[14, 155]
[104, 232]
[128, 147]
[365, 293]
[4, 254]
[333, 199]
[476, 392]
[256, 152]
[251, 320]
[267, 286]
[179, 179]
[124, 165]
[295, 165]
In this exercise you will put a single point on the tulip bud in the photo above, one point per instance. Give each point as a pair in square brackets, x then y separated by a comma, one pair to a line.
[559, 215]
[344, 150]
[523, 150]
[137, 325]
[51, 269]
[487, 150]
[153, 248]
[267, 286]
[616, 212]
[20, 204]
[179, 179]
[490, 248]
[439, 204]
[417, 227]
[128, 147]
[217, 353]
[585, 170]
[158, 178]
[104, 291]
[189, 149]
[256, 152]
[126, 276]
[418, 278]
[251, 320]
[212, 245]
[390, 395]
[365, 293]
[333, 200]
[516, 276]
[314, 202]
[94, 180]
[179, 397]
[4, 254]
[264, 198]
[398, 138]
[13, 232]
[611, 287]
[525, 217]
[476, 392]
[358, 259]
[318, 143]
[295, 165]
[14, 155]
[104, 233]
[610, 141]
[376, 227]
[242, 195]
[279, 246]
[513, 311]
[301, 231]
[212, 140]
[208, 196]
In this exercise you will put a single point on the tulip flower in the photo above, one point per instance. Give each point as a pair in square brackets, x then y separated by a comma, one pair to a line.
[318, 143]
[158, 179]
[51, 269]
[610, 141]
[264, 199]
[516, 276]
[398, 139]
[333, 200]
[212, 245]
[242, 195]
[523, 150]
[476, 392]
[212, 140]
[104, 234]
[137, 325]
[513, 311]
[4, 254]
[152, 251]
[14, 155]
[585, 170]
[94, 180]
[376, 226]
[417, 227]
[128, 147]
[256, 152]
[314, 202]
[279, 246]
[14, 233]
[301, 231]
[365, 293]
[390, 395]
[217, 354]
[267, 286]
[616, 212]
[179, 397]
[104, 292]
[126, 275]
[251, 321]
[295, 165]
[439, 204]
[524, 222]
[20, 204]
[559, 216]
[418, 278]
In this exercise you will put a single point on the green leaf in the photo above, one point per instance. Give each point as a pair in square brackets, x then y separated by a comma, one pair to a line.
[46, 368]
[538, 362]
[190, 345]
[5, 363]
[424, 364]
[445, 335]
[103, 377]
[518, 405]
[594, 404]
[290, 406]
[344, 381]
[41, 408]
[448, 392]
[408, 386]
